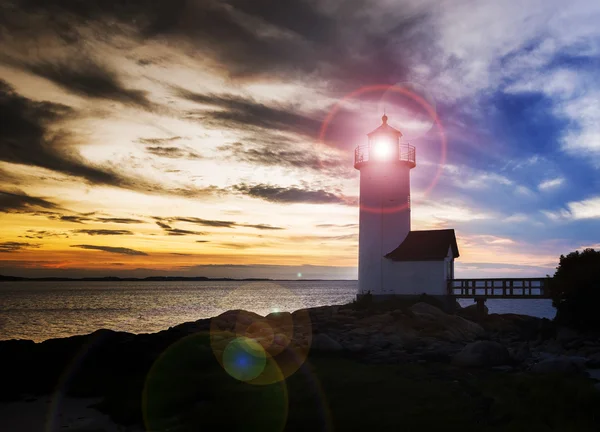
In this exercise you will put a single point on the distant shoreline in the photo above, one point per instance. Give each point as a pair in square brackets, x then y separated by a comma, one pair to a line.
[155, 279]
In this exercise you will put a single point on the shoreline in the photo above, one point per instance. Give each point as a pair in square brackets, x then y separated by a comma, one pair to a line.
[334, 342]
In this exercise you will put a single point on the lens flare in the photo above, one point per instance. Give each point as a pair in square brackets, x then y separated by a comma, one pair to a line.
[244, 359]
[407, 92]
[283, 337]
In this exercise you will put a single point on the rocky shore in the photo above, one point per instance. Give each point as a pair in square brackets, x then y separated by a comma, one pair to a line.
[176, 379]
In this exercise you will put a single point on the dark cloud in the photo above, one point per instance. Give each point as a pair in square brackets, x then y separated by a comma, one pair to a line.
[202, 222]
[29, 135]
[290, 156]
[157, 141]
[230, 111]
[336, 225]
[243, 245]
[176, 231]
[110, 249]
[18, 202]
[173, 152]
[41, 234]
[202, 241]
[87, 78]
[118, 220]
[337, 41]
[164, 223]
[9, 247]
[102, 232]
[293, 194]
[80, 219]
[263, 227]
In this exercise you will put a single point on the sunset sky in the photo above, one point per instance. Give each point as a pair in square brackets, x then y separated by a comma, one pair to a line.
[188, 137]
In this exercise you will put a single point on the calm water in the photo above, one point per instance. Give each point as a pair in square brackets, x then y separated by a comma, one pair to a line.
[44, 310]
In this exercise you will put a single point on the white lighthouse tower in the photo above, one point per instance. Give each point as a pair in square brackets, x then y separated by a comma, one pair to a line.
[392, 259]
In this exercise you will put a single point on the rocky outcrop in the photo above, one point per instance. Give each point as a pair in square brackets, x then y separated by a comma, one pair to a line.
[482, 354]
[560, 365]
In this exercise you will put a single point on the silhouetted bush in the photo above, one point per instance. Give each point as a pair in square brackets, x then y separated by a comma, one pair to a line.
[575, 290]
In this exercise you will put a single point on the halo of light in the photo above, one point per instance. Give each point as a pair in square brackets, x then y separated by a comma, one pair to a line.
[420, 101]
[284, 337]
[244, 359]
[421, 123]
[186, 375]
[382, 149]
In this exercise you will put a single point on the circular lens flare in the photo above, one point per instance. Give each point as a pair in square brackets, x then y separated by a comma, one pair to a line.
[407, 92]
[244, 359]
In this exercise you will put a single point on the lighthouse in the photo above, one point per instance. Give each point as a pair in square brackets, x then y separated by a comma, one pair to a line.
[392, 259]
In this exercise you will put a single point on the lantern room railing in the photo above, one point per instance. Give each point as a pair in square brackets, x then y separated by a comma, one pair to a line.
[406, 153]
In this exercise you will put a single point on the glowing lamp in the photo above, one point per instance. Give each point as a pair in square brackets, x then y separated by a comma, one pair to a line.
[382, 149]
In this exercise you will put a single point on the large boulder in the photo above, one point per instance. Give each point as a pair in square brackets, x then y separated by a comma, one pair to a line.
[323, 342]
[438, 323]
[482, 354]
[561, 365]
[471, 312]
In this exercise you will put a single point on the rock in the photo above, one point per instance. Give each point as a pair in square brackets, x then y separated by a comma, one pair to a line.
[427, 310]
[565, 335]
[482, 353]
[562, 365]
[594, 361]
[504, 368]
[522, 353]
[376, 320]
[470, 312]
[450, 327]
[323, 342]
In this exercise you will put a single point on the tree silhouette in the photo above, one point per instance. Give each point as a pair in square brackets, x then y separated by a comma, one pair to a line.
[575, 290]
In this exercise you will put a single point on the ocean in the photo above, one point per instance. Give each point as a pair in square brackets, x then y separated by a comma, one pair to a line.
[46, 310]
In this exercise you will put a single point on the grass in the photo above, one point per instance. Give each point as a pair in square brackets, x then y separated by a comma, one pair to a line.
[187, 390]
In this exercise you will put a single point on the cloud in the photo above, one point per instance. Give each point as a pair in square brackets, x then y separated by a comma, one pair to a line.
[31, 135]
[238, 112]
[19, 202]
[173, 152]
[71, 218]
[576, 210]
[118, 220]
[262, 226]
[293, 194]
[551, 184]
[177, 232]
[87, 78]
[294, 155]
[158, 141]
[102, 232]
[110, 249]
[10, 247]
[41, 234]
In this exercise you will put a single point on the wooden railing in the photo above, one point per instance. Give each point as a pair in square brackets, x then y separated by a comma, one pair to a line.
[524, 288]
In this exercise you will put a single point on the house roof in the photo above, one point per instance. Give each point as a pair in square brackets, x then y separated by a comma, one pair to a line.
[385, 128]
[429, 245]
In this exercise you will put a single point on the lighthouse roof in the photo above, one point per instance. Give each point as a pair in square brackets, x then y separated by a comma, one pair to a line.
[431, 245]
[385, 128]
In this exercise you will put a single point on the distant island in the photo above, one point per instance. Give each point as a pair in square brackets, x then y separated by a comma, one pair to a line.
[146, 279]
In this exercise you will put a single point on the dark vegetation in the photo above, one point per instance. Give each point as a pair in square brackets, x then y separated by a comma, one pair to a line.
[172, 381]
[575, 290]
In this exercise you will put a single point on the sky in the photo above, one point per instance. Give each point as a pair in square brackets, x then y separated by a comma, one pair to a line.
[216, 137]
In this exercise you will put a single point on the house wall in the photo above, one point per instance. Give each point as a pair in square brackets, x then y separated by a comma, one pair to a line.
[414, 277]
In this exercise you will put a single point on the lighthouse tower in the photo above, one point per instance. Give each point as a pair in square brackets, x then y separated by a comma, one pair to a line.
[392, 259]
[384, 164]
